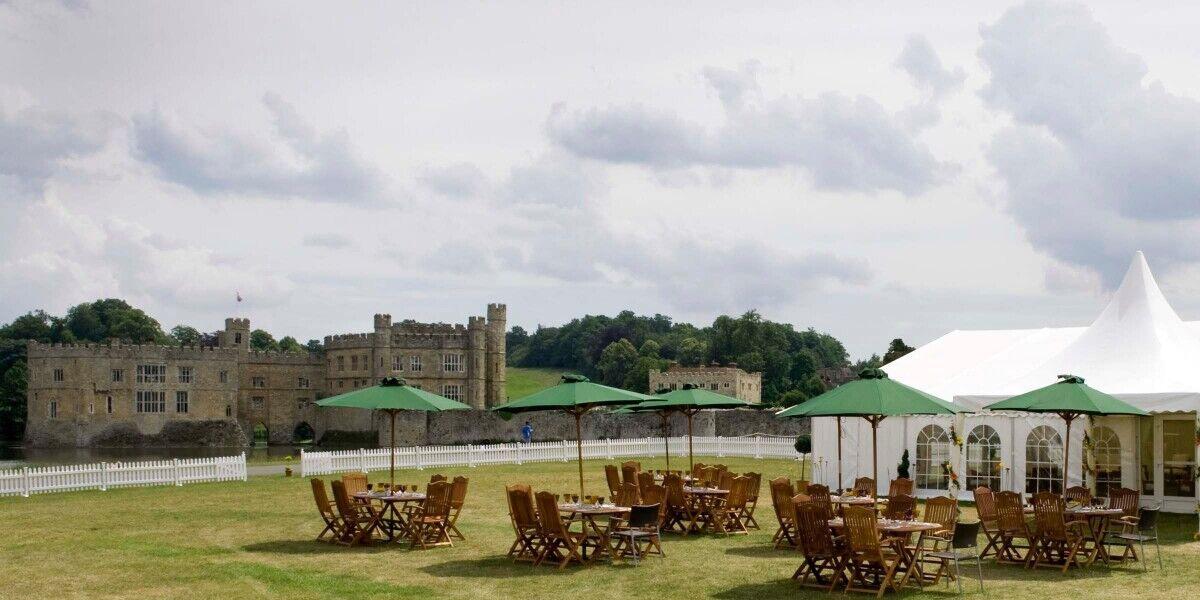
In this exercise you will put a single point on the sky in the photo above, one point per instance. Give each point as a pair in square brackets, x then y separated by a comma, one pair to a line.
[869, 173]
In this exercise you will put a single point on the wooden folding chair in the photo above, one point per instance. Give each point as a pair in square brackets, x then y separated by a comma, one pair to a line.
[752, 493]
[613, 477]
[637, 466]
[325, 507]
[1129, 501]
[1057, 542]
[527, 545]
[819, 495]
[900, 485]
[629, 473]
[823, 555]
[1078, 494]
[1011, 528]
[900, 506]
[359, 520]
[698, 470]
[680, 514]
[727, 512]
[645, 481]
[559, 544]
[942, 510]
[356, 483]
[430, 526]
[785, 514]
[871, 561]
[436, 477]
[629, 495]
[864, 486]
[985, 505]
[458, 495]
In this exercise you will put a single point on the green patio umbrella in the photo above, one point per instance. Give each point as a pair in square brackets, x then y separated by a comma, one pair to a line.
[688, 401]
[392, 395]
[575, 395]
[1068, 398]
[874, 397]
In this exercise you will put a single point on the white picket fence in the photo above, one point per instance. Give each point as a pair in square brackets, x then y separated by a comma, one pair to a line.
[470, 455]
[102, 476]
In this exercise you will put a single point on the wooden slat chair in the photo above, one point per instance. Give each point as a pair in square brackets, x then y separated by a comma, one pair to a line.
[430, 526]
[637, 466]
[821, 566]
[326, 508]
[527, 545]
[698, 469]
[1058, 543]
[640, 535]
[436, 477]
[900, 485]
[708, 475]
[942, 510]
[985, 505]
[458, 496]
[613, 476]
[657, 494]
[720, 468]
[680, 513]
[864, 486]
[820, 496]
[785, 513]
[559, 544]
[783, 481]
[645, 481]
[629, 495]
[871, 561]
[752, 500]
[899, 507]
[1078, 494]
[629, 474]
[1128, 501]
[725, 480]
[727, 513]
[1012, 529]
[359, 521]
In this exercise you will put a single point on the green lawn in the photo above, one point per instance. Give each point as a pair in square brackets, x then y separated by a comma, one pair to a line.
[522, 382]
[254, 540]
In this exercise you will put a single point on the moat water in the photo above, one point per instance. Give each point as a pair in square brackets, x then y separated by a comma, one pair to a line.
[18, 456]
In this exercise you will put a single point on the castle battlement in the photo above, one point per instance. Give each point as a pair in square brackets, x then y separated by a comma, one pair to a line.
[129, 351]
[284, 358]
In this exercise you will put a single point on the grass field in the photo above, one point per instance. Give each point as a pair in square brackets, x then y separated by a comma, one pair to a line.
[254, 540]
[522, 382]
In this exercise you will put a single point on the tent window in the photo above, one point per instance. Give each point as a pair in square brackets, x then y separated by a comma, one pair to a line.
[1107, 452]
[933, 450]
[1043, 460]
[983, 458]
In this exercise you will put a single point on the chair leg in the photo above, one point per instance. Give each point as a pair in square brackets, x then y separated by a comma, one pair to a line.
[958, 575]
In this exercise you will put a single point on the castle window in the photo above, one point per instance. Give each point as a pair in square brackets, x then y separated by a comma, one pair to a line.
[54, 409]
[58, 374]
[109, 405]
[185, 374]
[452, 391]
[150, 401]
[237, 338]
[726, 384]
[712, 386]
[228, 410]
[302, 383]
[257, 402]
[91, 408]
[452, 363]
[223, 376]
[414, 363]
[341, 383]
[118, 375]
[152, 373]
[258, 382]
[366, 363]
[353, 363]
[341, 363]
[181, 402]
[397, 362]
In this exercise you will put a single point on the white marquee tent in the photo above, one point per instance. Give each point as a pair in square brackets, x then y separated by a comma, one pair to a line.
[1138, 350]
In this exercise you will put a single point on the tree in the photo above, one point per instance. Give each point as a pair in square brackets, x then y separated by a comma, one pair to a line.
[692, 352]
[84, 322]
[650, 348]
[186, 336]
[263, 341]
[902, 468]
[14, 374]
[516, 337]
[289, 344]
[616, 361]
[792, 398]
[813, 386]
[638, 377]
[895, 350]
[34, 325]
[874, 362]
[314, 346]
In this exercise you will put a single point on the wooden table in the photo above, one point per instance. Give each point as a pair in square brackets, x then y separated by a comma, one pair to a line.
[910, 556]
[1097, 523]
[704, 500]
[393, 519]
[596, 523]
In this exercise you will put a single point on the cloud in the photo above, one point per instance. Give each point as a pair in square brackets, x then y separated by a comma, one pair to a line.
[36, 143]
[298, 162]
[458, 180]
[1098, 163]
[919, 60]
[553, 180]
[333, 241]
[843, 143]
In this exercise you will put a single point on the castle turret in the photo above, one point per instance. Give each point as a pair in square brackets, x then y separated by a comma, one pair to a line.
[236, 335]
[382, 347]
[497, 327]
[476, 393]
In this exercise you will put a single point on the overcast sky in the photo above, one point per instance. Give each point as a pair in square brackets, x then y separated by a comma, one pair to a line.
[869, 174]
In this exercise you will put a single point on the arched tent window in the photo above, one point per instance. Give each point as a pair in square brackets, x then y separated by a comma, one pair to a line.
[1106, 448]
[933, 450]
[1043, 460]
[983, 458]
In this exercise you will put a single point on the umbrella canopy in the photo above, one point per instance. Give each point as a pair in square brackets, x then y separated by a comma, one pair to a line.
[575, 395]
[1068, 398]
[689, 401]
[873, 396]
[392, 395]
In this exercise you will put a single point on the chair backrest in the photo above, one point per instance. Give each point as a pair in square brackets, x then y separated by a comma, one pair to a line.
[739, 492]
[755, 486]
[520, 505]
[698, 469]
[864, 486]
[436, 477]
[966, 535]
[816, 539]
[900, 507]
[645, 481]
[613, 476]
[985, 503]
[900, 485]
[1148, 519]
[643, 516]
[548, 516]
[437, 500]
[1010, 514]
[942, 510]
[629, 474]
[341, 499]
[1048, 508]
[819, 495]
[1078, 494]
[709, 474]
[1125, 499]
[321, 497]
[720, 468]
[355, 483]
[675, 495]
[655, 494]
[782, 483]
[637, 466]
[862, 532]
[629, 495]
[458, 492]
[725, 480]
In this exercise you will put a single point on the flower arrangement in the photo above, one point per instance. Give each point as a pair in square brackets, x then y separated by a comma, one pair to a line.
[958, 441]
[1088, 448]
[952, 476]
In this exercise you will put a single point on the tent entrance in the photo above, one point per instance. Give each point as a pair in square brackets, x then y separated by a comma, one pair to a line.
[1168, 460]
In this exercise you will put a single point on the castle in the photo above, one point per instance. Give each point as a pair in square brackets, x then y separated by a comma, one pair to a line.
[729, 380]
[97, 395]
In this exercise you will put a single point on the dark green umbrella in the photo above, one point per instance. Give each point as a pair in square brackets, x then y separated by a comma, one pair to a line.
[688, 401]
[874, 397]
[392, 395]
[575, 395]
[1068, 398]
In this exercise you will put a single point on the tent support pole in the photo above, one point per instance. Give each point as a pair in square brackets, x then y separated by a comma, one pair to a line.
[666, 439]
[691, 464]
[839, 436]
[874, 421]
[1068, 417]
[392, 451]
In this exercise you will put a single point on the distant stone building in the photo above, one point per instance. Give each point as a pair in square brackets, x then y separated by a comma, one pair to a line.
[118, 395]
[728, 380]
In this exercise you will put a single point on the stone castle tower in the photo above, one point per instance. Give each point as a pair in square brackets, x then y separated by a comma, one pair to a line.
[497, 328]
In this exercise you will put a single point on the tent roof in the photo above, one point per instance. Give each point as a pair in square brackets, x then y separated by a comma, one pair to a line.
[1137, 347]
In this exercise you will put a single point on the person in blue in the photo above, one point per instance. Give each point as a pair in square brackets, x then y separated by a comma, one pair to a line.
[527, 432]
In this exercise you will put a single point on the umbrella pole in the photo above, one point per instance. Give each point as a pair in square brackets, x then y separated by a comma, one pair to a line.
[875, 451]
[579, 448]
[1067, 452]
[666, 441]
[392, 451]
[839, 427]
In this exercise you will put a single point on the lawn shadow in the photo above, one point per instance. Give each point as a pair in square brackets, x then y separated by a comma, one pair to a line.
[763, 552]
[778, 588]
[494, 567]
[307, 546]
